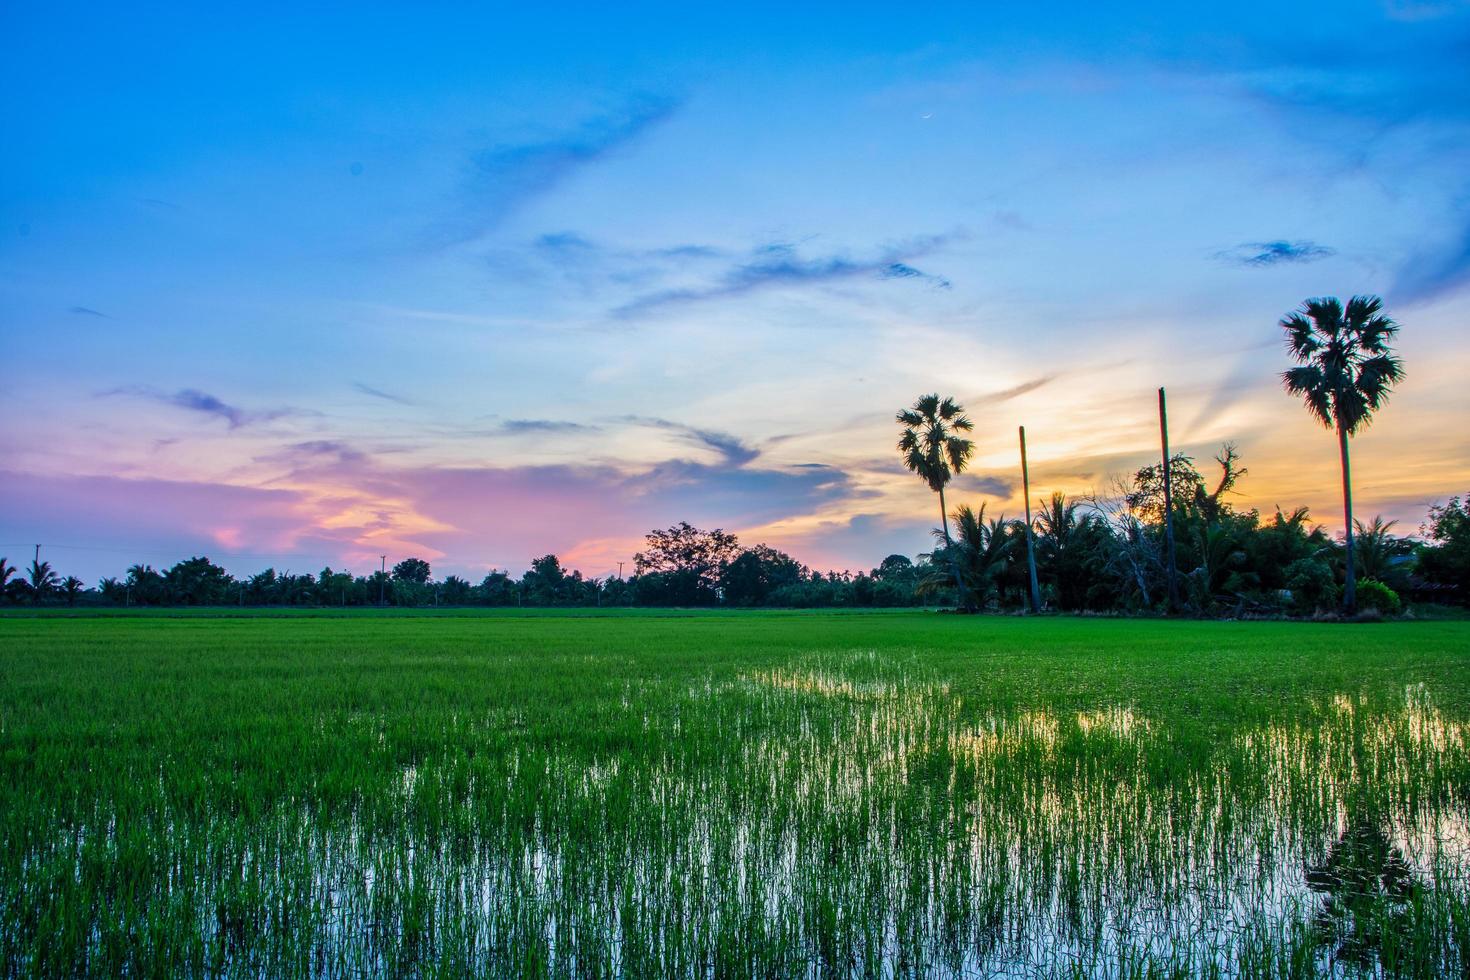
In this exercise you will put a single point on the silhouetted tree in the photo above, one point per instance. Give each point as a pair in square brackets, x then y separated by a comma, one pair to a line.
[1446, 561]
[690, 560]
[980, 551]
[1069, 552]
[755, 573]
[454, 591]
[544, 583]
[933, 449]
[1132, 556]
[336, 588]
[1346, 370]
[414, 570]
[42, 580]
[197, 582]
[71, 587]
[497, 589]
[146, 585]
[1146, 496]
[112, 590]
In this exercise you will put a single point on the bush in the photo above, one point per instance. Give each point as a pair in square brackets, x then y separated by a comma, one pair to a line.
[1311, 584]
[1374, 595]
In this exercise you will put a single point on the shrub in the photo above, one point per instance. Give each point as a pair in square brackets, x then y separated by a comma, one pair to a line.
[1311, 584]
[1374, 595]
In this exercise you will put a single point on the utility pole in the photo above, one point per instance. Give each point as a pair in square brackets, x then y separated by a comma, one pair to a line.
[1030, 547]
[38, 554]
[1168, 507]
[383, 582]
[620, 571]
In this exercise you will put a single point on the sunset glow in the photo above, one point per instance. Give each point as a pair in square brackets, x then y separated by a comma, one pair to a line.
[480, 287]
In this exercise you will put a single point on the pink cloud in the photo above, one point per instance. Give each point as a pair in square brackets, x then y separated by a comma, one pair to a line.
[335, 505]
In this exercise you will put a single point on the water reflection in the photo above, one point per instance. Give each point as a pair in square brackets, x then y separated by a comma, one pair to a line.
[847, 815]
[1367, 885]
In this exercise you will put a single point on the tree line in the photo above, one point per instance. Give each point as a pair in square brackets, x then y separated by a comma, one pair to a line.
[1098, 553]
[1168, 539]
[680, 566]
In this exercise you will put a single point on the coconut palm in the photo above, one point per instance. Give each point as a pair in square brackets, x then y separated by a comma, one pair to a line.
[980, 551]
[1071, 546]
[1382, 555]
[43, 580]
[6, 571]
[1346, 370]
[932, 448]
[71, 587]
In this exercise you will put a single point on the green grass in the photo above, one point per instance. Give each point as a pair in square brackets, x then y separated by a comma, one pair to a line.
[730, 794]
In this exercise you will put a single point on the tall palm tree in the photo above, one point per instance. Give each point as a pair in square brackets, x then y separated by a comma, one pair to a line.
[932, 448]
[1346, 370]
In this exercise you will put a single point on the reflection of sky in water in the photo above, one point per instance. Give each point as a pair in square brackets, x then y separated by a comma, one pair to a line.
[852, 818]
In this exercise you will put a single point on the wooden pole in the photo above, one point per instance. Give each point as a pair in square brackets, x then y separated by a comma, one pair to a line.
[1170, 568]
[1030, 548]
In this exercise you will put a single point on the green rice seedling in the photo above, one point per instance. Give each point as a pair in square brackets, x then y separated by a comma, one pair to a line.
[770, 794]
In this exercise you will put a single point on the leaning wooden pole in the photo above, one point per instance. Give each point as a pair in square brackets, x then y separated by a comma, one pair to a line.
[1030, 547]
[1170, 569]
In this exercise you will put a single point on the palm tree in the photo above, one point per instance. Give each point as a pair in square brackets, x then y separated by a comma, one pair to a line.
[1055, 526]
[6, 570]
[981, 552]
[932, 448]
[43, 580]
[1380, 554]
[1345, 372]
[71, 587]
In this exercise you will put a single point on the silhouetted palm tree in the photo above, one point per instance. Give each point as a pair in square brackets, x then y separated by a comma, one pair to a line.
[980, 551]
[43, 580]
[6, 571]
[1345, 374]
[932, 448]
[71, 587]
[1069, 550]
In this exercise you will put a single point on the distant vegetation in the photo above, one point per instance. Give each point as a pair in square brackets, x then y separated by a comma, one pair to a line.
[1104, 552]
[1100, 554]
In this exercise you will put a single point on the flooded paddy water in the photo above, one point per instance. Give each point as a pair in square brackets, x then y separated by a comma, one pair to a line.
[847, 812]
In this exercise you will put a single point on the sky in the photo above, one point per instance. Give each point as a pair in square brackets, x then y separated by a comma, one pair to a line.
[307, 287]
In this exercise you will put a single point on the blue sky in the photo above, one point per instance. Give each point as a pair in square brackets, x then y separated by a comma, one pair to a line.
[297, 288]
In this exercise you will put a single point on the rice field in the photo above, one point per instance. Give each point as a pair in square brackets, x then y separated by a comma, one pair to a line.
[732, 795]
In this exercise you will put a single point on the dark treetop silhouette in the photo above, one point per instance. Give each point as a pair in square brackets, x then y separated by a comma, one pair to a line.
[932, 448]
[1344, 374]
